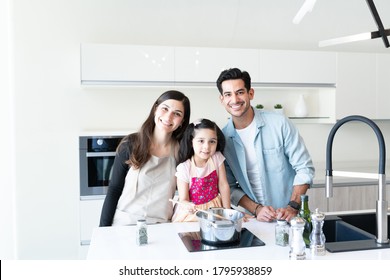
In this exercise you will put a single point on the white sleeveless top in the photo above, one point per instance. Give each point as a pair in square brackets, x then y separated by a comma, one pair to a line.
[147, 192]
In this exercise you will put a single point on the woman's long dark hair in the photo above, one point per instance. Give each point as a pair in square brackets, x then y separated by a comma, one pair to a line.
[142, 141]
[186, 150]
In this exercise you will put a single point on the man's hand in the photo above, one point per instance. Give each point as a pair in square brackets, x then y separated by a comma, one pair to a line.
[266, 214]
[286, 213]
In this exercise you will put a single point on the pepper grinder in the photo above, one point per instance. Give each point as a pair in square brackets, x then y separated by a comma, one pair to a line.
[297, 245]
[317, 237]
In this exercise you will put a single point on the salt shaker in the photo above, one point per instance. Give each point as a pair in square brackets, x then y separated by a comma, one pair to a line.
[281, 233]
[142, 233]
[297, 245]
[317, 237]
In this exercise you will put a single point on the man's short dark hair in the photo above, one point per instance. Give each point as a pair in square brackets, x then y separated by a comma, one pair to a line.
[234, 74]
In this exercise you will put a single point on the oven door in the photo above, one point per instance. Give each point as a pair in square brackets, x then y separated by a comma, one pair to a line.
[95, 172]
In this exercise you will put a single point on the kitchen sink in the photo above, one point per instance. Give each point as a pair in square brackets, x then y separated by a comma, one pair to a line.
[352, 232]
[364, 221]
[337, 230]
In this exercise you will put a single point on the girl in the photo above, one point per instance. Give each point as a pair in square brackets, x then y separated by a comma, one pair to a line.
[201, 175]
[143, 178]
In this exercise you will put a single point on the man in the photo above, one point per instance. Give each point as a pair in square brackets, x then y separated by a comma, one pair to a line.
[267, 164]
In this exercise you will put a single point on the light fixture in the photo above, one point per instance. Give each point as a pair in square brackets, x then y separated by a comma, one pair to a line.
[354, 38]
[381, 33]
[306, 8]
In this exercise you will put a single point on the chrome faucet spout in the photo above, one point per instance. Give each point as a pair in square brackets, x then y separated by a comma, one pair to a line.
[381, 204]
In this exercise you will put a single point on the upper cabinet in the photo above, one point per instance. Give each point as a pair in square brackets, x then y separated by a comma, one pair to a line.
[356, 85]
[383, 86]
[123, 64]
[204, 65]
[297, 67]
[156, 65]
[362, 85]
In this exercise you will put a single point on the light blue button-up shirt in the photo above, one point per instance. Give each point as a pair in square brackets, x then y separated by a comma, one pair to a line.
[282, 156]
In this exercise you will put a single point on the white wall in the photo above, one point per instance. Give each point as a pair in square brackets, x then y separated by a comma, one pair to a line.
[51, 110]
[7, 171]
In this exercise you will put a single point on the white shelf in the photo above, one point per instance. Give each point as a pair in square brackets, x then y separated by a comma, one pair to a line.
[319, 101]
[313, 120]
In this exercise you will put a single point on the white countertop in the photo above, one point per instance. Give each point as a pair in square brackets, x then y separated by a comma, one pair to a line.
[118, 243]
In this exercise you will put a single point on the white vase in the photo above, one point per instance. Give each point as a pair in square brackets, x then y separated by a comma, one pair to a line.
[301, 108]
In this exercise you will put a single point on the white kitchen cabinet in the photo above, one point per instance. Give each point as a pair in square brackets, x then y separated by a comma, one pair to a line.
[355, 198]
[204, 65]
[90, 211]
[297, 67]
[132, 64]
[127, 64]
[362, 85]
[317, 199]
[356, 85]
[345, 198]
[382, 86]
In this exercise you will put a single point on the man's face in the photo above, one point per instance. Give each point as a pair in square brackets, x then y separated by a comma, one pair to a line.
[235, 98]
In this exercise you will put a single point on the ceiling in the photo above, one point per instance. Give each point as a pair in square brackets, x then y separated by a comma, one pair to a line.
[251, 23]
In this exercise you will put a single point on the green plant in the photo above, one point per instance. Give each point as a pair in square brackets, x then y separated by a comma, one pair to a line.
[259, 106]
[278, 106]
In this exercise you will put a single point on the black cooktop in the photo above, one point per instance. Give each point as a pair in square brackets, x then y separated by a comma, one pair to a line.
[194, 242]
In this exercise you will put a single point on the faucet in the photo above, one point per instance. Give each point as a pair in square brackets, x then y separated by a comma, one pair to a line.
[381, 204]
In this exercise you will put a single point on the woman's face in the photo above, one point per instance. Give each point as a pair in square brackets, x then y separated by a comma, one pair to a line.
[169, 115]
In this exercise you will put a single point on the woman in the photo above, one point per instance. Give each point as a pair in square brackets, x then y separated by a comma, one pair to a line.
[143, 175]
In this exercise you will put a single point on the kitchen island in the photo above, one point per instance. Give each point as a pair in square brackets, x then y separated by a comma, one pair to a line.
[119, 243]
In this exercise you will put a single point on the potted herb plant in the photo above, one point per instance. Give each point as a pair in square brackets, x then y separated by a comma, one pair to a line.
[278, 108]
[260, 107]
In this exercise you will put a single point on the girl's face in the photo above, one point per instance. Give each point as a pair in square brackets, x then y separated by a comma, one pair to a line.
[169, 115]
[204, 143]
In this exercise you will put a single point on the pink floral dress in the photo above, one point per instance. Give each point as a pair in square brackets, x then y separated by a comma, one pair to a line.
[203, 192]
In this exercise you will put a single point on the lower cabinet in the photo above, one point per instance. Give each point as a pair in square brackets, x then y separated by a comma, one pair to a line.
[89, 219]
[345, 198]
[317, 199]
[90, 211]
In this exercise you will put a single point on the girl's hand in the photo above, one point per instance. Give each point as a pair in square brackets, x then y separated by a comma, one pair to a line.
[189, 206]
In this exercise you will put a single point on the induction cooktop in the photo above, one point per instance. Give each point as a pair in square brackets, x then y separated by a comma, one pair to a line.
[194, 242]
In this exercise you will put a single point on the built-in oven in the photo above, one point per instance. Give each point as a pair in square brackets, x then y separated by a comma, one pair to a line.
[97, 154]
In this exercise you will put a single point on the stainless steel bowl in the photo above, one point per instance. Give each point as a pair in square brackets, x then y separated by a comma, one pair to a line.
[216, 231]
